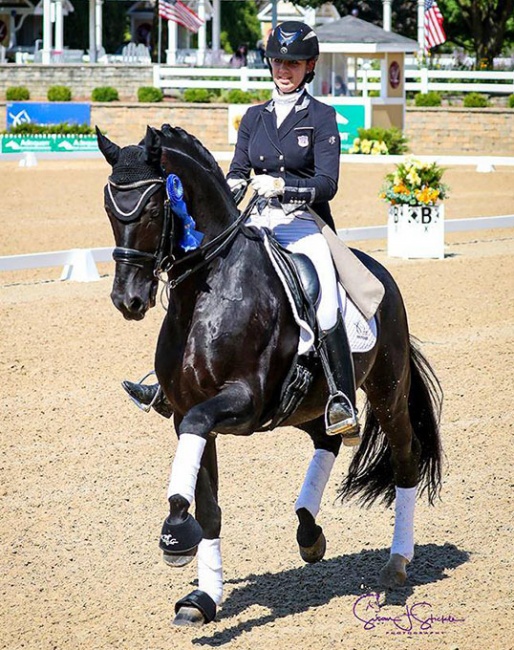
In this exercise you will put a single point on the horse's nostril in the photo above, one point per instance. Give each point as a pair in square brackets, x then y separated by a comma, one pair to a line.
[135, 305]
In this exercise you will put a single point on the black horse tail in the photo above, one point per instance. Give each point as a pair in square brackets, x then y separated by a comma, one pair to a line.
[370, 475]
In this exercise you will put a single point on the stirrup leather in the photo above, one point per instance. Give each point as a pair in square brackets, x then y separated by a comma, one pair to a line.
[147, 407]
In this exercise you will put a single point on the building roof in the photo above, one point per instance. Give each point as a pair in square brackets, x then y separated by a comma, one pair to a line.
[351, 35]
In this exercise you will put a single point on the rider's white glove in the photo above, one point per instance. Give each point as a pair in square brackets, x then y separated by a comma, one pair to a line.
[236, 184]
[268, 186]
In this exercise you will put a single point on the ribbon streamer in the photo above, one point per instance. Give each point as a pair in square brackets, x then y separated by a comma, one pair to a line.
[191, 238]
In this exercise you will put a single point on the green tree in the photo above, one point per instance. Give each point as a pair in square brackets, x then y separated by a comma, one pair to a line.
[116, 25]
[239, 24]
[483, 27]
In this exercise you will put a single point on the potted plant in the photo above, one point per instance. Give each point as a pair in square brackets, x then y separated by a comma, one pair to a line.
[414, 192]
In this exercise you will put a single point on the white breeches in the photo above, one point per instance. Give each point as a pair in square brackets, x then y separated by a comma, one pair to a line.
[299, 233]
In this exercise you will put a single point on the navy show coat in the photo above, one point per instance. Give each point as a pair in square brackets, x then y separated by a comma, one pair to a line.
[304, 151]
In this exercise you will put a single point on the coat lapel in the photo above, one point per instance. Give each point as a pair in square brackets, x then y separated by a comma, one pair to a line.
[270, 125]
[297, 115]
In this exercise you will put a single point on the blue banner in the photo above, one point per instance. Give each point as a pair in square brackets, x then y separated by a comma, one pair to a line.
[47, 113]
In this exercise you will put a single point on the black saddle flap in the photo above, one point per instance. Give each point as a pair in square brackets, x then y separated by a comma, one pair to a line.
[301, 277]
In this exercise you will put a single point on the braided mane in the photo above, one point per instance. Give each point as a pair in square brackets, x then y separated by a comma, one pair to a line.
[178, 139]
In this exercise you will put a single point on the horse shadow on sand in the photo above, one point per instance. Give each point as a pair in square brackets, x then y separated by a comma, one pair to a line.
[295, 591]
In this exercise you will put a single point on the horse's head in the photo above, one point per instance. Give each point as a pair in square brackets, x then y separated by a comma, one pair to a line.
[134, 202]
[151, 232]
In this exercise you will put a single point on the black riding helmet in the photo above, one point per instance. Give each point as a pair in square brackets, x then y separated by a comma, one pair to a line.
[293, 41]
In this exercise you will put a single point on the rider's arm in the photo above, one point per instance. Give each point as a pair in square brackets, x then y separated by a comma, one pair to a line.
[322, 185]
[240, 166]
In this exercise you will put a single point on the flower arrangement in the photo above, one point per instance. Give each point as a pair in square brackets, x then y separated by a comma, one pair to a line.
[414, 183]
[370, 147]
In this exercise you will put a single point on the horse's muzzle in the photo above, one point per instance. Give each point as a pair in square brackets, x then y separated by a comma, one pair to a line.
[133, 295]
[132, 307]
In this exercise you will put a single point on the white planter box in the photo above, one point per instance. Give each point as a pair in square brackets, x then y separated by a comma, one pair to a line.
[415, 231]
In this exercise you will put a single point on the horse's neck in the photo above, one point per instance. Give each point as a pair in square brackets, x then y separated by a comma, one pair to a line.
[211, 208]
[208, 202]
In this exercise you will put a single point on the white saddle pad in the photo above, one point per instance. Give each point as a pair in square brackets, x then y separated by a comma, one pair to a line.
[362, 334]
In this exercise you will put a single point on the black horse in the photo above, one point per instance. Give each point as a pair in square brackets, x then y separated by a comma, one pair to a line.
[229, 340]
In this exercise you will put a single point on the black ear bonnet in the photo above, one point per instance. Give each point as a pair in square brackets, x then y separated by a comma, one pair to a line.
[132, 182]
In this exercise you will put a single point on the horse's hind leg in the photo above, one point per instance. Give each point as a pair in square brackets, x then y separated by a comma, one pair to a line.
[310, 537]
[392, 413]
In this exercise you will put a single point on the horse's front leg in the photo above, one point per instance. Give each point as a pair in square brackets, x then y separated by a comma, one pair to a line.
[309, 535]
[199, 606]
[194, 474]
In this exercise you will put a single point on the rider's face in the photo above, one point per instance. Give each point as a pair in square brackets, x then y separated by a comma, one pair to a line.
[288, 75]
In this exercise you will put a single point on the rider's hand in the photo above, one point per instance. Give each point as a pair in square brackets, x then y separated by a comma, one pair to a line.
[268, 186]
[236, 184]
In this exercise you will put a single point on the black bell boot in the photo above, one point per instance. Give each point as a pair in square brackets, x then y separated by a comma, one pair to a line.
[341, 410]
[147, 396]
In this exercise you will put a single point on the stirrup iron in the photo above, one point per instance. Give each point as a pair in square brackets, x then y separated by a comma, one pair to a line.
[147, 407]
[349, 427]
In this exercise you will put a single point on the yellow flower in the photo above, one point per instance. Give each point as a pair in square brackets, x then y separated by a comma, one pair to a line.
[413, 178]
[365, 146]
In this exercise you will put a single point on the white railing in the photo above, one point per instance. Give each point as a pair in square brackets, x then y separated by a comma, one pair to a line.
[450, 81]
[226, 78]
[423, 80]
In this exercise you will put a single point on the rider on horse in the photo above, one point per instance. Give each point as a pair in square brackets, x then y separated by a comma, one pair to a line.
[292, 145]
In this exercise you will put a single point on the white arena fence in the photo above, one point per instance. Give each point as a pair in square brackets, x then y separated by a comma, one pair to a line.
[80, 264]
[416, 80]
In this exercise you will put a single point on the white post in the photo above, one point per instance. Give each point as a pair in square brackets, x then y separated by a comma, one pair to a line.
[99, 22]
[386, 15]
[202, 34]
[12, 29]
[365, 69]
[59, 28]
[421, 26]
[171, 54]
[244, 78]
[92, 31]
[47, 32]
[424, 80]
[216, 25]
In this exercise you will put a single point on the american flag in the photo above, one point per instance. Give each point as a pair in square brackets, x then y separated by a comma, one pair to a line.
[434, 31]
[180, 13]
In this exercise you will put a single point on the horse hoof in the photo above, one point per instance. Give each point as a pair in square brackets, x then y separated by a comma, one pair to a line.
[178, 560]
[189, 617]
[195, 610]
[316, 552]
[393, 574]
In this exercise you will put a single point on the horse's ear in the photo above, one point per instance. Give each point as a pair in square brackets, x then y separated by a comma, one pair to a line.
[111, 151]
[153, 147]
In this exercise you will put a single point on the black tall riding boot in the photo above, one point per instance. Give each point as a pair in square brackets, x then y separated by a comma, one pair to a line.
[147, 396]
[337, 362]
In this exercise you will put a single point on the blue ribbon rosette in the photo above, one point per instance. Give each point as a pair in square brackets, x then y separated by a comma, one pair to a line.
[191, 238]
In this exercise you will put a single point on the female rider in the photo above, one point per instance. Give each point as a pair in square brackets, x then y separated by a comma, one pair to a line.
[292, 145]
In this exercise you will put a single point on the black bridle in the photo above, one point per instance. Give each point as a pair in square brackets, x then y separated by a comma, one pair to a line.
[163, 260]
[134, 256]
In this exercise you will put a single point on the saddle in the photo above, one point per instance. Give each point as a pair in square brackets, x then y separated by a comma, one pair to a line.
[302, 280]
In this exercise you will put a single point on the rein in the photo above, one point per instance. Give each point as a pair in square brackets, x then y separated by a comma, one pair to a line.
[217, 244]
